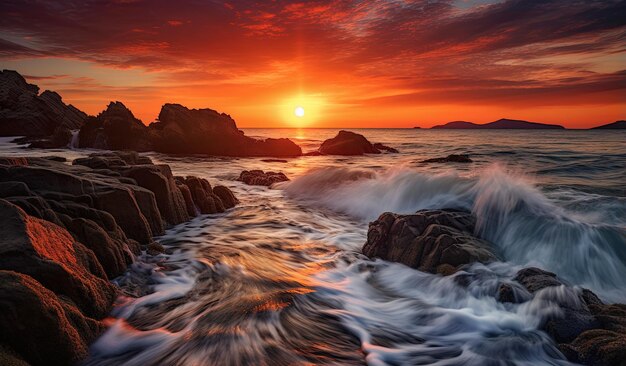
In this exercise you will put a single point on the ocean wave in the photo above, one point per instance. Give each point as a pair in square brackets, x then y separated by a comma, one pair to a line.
[526, 226]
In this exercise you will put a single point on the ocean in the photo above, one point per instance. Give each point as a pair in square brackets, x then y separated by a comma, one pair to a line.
[279, 279]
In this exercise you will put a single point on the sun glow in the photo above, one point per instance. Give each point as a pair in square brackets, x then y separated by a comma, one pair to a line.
[303, 110]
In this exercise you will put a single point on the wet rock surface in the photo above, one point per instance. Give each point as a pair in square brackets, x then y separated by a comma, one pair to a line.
[586, 330]
[452, 158]
[261, 178]
[429, 240]
[68, 229]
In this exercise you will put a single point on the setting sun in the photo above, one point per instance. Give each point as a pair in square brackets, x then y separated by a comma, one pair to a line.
[299, 112]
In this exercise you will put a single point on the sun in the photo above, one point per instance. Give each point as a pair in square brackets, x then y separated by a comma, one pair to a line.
[302, 110]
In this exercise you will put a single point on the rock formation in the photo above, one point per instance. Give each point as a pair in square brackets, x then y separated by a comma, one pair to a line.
[452, 158]
[261, 178]
[586, 330]
[179, 131]
[25, 112]
[67, 230]
[347, 143]
[429, 240]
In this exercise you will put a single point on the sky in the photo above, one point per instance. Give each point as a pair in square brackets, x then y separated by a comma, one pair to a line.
[345, 63]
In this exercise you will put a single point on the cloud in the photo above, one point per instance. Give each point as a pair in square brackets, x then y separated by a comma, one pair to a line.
[410, 51]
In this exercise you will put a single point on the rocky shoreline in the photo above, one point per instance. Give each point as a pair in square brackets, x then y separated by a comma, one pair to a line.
[586, 330]
[68, 230]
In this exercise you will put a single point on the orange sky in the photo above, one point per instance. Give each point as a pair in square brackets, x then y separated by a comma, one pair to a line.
[379, 63]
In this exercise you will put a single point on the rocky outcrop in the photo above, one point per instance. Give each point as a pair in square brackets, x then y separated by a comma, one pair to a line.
[261, 178]
[179, 131]
[347, 143]
[587, 330]
[67, 230]
[429, 240]
[25, 112]
[386, 148]
[116, 128]
[452, 158]
[204, 131]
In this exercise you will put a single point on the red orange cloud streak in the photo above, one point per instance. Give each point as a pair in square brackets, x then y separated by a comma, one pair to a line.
[378, 63]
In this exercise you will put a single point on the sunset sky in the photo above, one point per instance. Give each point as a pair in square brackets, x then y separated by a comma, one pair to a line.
[377, 63]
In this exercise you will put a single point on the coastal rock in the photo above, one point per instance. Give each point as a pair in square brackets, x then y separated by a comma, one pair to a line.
[501, 124]
[226, 196]
[159, 180]
[205, 131]
[116, 128]
[588, 331]
[452, 158]
[429, 240]
[261, 178]
[49, 254]
[382, 147]
[41, 327]
[203, 197]
[25, 112]
[347, 143]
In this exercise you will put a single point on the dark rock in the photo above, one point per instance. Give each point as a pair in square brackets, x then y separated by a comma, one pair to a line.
[50, 254]
[25, 112]
[203, 196]
[226, 196]
[192, 211]
[116, 128]
[8, 189]
[204, 131]
[452, 158]
[274, 161]
[261, 178]
[159, 180]
[382, 147]
[41, 327]
[347, 143]
[427, 240]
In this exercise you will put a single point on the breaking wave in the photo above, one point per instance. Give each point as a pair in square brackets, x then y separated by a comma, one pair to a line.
[526, 226]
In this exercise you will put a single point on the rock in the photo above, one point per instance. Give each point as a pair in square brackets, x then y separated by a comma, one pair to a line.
[25, 112]
[49, 254]
[204, 131]
[116, 128]
[382, 147]
[192, 210]
[159, 180]
[113, 254]
[260, 178]
[8, 189]
[226, 196]
[41, 327]
[203, 196]
[452, 158]
[274, 161]
[347, 143]
[427, 240]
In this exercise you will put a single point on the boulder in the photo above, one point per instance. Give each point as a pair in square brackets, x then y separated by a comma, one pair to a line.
[25, 112]
[428, 240]
[386, 148]
[49, 254]
[347, 143]
[159, 180]
[203, 196]
[226, 196]
[41, 327]
[452, 158]
[261, 178]
[116, 128]
[204, 131]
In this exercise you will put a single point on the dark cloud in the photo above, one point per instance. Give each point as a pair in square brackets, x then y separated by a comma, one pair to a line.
[496, 50]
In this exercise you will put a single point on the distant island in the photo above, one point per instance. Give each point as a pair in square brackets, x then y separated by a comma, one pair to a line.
[502, 124]
[617, 125]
